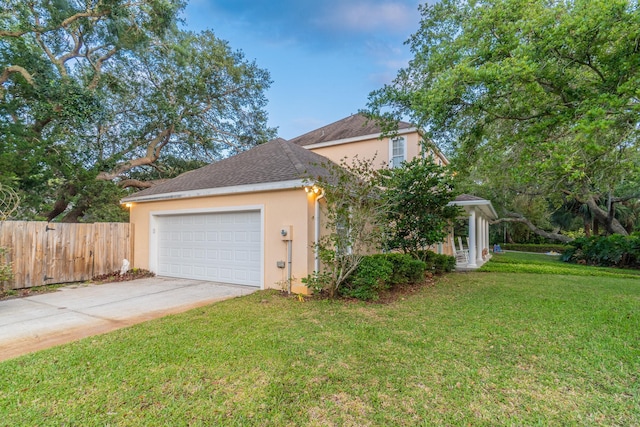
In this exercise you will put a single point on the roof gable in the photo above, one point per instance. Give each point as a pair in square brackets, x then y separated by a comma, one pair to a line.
[274, 161]
[353, 126]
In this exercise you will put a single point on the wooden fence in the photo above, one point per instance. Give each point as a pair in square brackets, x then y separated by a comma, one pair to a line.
[44, 253]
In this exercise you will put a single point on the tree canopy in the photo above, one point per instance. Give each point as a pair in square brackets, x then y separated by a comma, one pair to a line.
[536, 99]
[101, 96]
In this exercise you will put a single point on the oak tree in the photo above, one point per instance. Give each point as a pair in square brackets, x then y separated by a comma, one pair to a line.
[537, 97]
[101, 96]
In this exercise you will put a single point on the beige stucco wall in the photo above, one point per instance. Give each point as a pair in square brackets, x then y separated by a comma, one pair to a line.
[292, 207]
[373, 148]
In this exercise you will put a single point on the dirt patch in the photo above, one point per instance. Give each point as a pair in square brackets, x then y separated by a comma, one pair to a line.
[404, 291]
[133, 274]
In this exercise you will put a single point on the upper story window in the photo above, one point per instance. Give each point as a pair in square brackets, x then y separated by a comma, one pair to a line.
[397, 151]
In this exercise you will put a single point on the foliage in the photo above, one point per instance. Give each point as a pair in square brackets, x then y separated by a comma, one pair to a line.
[406, 269]
[6, 271]
[402, 208]
[417, 196]
[9, 202]
[133, 274]
[380, 272]
[114, 92]
[437, 263]
[614, 250]
[536, 98]
[317, 282]
[354, 218]
[372, 276]
[530, 247]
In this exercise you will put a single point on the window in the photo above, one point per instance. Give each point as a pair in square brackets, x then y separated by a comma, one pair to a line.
[397, 152]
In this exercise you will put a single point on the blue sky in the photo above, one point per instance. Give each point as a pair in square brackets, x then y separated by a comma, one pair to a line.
[324, 56]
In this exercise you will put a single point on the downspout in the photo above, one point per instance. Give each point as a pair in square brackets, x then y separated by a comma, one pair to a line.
[317, 232]
[289, 259]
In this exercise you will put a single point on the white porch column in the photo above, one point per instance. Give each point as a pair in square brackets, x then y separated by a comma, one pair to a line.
[472, 238]
[481, 245]
[479, 240]
[486, 236]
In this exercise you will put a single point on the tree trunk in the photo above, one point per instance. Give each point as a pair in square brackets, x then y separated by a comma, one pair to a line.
[62, 203]
[612, 225]
[74, 215]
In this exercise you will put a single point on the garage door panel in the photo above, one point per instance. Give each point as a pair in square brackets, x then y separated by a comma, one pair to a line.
[212, 246]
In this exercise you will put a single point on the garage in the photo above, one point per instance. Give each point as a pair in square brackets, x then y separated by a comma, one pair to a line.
[216, 246]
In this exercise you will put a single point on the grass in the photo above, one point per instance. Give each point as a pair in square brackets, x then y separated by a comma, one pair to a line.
[522, 262]
[475, 349]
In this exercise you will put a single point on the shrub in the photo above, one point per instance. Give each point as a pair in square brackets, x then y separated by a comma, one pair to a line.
[539, 248]
[438, 263]
[614, 251]
[406, 269]
[317, 282]
[6, 272]
[372, 276]
[443, 263]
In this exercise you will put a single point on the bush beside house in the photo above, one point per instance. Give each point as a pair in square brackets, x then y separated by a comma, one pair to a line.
[381, 272]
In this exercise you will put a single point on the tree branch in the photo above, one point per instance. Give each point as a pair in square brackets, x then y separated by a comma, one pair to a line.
[516, 217]
[153, 153]
[87, 14]
[5, 33]
[98, 67]
[15, 69]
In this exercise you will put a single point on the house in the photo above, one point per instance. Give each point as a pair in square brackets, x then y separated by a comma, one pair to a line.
[355, 135]
[247, 219]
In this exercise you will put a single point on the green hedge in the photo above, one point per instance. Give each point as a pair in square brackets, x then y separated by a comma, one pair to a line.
[438, 263]
[529, 247]
[380, 272]
[611, 251]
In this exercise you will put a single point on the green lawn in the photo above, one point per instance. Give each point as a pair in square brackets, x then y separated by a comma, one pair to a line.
[525, 262]
[490, 348]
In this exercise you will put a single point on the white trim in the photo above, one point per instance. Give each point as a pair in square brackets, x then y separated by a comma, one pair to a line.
[404, 149]
[204, 192]
[483, 204]
[355, 139]
[153, 227]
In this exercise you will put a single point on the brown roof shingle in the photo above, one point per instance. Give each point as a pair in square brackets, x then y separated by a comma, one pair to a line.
[275, 161]
[349, 127]
[467, 198]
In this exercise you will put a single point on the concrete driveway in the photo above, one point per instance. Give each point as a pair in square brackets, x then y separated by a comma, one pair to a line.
[78, 311]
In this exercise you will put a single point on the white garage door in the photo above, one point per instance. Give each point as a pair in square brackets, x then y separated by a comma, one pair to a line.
[221, 246]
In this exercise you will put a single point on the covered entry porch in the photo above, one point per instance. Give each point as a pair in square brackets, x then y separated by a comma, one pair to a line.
[479, 213]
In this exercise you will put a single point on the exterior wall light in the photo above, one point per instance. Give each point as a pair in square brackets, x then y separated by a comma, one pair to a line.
[312, 189]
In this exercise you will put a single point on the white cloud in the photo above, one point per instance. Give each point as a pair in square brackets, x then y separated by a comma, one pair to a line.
[364, 16]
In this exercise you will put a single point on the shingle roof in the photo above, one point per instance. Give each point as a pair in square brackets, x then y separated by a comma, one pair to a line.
[467, 198]
[275, 161]
[349, 127]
